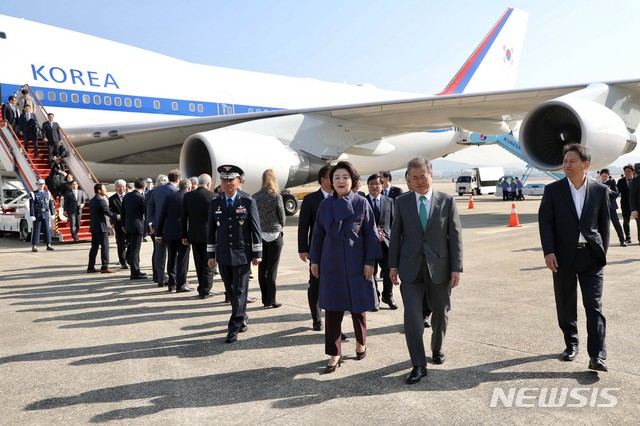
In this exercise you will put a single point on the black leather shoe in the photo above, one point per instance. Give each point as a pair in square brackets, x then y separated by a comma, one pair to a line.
[317, 326]
[597, 364]
[427, 323]
[184, 289]
[438, 357]
[171, 289]
[361, 355]
[623, 244]
[163, 283]
[416, 374]
[570, 353]
[50, 248]
[34, 249]
[243, 328]
[231, 337]
[92, 270]
[137, 277]
[124, 266]
[331, 368]
[343, 337]
[205, 295]
[390, 302]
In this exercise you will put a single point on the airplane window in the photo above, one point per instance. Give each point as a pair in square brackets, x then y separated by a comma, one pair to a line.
[192, 107]
[63, 97]
[200, 108]
[250, 109]
[127, 102]
[97, 99]
[138, 103]
[117, 101]
[75, 98]
[107, 100]
[174, 106]
[86, 99]
[51, 96]
[39, 94]
[156, 104]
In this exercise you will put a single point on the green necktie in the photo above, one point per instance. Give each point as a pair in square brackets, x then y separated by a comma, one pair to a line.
[423, 213]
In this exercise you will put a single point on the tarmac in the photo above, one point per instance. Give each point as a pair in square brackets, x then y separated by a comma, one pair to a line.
[81, 349]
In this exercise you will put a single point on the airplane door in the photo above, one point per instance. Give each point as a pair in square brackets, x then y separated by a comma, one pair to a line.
[225, 104]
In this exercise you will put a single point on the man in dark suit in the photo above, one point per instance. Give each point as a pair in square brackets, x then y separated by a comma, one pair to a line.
[383, 212]
[10, 113]
[98, 211]
[426, 252]
[72, 204]
[389, 190]
[115, 205]
[234, 242]
[154, 207]
[306, 220]
[29, 129]
[169, 232]
[194, 230]
[624, 188]
[132, 220]
[52, 136]
[607, 180]
[574, 230]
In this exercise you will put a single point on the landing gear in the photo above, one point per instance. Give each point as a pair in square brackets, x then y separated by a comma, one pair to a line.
[291, 204]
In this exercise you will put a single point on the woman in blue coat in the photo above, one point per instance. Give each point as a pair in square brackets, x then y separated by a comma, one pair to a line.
[343, 248]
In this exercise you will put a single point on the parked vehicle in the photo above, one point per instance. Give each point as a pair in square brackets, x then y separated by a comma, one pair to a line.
[478, 180]
[533, 189]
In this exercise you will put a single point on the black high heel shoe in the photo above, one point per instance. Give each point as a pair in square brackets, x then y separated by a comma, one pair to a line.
[331, 368]
[361, 355]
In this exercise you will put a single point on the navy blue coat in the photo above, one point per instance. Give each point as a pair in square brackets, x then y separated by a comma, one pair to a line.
[169, 221]
[234, 239]
[344, 240]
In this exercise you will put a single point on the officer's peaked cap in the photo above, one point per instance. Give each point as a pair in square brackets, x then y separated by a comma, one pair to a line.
[229, 171]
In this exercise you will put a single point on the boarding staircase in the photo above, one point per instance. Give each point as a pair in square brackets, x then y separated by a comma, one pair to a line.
[29, 168]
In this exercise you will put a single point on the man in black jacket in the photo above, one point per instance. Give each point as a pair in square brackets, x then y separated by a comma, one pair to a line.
[624, 187]
[52, 136]
[115, 205]
[99, 210]
[193, 230]
[133, 221]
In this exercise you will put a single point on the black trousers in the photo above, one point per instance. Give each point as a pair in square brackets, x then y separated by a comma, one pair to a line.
[268, 269]
[121, 243]
[31, 135]
[236, 284]
[177, 262]
[99, 240]
[133, 253]
[313, 294]
[159, 260]
[613, 214]
[587, 269]
[387, 285]
[74, 223]
[626, 221]
[204, 273]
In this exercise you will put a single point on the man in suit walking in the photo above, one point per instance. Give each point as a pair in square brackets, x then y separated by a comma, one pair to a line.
[132, 220]
[52, 136]
[29, 129]
[155, 202]
[306, 220]
[72, 204]
[389, 190]
[624, 187]
[426, 253]
[194, 230]
[607, 180]
[169, 232]
[115, 205]
[10, 113]
[383, 213]
[98, 211]
[234, 242]
[574, 230]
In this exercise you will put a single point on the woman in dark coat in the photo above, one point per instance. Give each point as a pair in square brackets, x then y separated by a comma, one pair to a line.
[343, 249]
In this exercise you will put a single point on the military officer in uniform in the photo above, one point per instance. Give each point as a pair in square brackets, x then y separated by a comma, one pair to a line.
[234, 242]
[41, 208]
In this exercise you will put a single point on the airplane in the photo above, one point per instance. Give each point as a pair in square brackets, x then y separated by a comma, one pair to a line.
[132, 112]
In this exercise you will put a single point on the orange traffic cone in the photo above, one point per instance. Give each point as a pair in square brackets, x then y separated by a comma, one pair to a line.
[513, 220]
[471, 206]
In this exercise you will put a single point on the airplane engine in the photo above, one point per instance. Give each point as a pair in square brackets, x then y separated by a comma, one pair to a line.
[553, 124]
[254, 153]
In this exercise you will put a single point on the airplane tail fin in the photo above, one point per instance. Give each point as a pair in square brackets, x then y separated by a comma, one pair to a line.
[493, 65]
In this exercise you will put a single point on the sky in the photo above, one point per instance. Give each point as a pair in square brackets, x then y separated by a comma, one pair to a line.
[409, 45]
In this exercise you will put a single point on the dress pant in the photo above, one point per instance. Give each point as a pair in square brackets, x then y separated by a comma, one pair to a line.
[40, 224]
[177, 262]
[313, 294]
[31, 136]
[74, 223]
[236, 284]
[133, 253]
[333, 331]
[203, 271]
[587, 269]
[626, 220]
[159, 260]
[54, 149]
[121, 243]
[413, 298]
[268, 269]
[613, 214]
[99, 240]
[387, 285]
